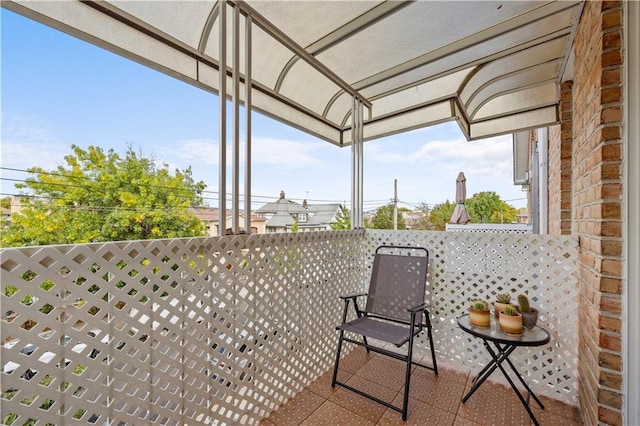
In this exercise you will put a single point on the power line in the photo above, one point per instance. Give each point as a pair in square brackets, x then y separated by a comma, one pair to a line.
[255, 197]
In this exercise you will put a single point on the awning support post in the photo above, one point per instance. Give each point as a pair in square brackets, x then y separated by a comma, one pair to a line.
[222, 121]
[357, 154]
[248, 22]
[235, 191]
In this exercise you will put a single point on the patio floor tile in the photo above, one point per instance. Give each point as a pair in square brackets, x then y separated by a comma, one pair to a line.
[434, 400]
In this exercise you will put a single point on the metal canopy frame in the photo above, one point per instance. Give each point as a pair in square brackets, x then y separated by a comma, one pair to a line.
[493, 67]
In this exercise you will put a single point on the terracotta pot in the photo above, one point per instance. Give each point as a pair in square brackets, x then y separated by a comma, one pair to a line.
[511, 324]
[499, 307]
[479, 317]
[530, 319]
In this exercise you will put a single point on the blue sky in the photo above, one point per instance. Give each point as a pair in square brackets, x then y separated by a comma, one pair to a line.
[58, 91]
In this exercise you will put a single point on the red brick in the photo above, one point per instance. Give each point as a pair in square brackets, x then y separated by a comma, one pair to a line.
[610, 133]
[612, 58]
[609, 171]
[611, 248]
[611, 152]
[612, 267]
[610, 379]
[612, 114]
[611, 361]
[610, 324]
[609, 416]
[611, 19]
[610, 285]
[612, 40]
[610, 398]
[610, 210]
[610, 191]
[610, 304]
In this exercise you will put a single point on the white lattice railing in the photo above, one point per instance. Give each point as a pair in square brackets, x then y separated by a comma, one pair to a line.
[223, 330]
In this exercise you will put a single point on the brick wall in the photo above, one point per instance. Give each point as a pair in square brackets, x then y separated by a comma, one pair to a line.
[560, 166]
[597, 160]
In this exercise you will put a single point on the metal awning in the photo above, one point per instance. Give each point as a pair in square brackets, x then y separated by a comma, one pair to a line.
[492, 66]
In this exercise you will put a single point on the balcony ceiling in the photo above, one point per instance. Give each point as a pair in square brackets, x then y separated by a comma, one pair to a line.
[493, 66]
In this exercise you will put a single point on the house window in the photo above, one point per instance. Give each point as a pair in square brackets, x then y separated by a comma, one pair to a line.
[302, 217]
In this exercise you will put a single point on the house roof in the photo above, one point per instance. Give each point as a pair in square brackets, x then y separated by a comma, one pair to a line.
[324, 213]
[280, 220]
[282, 205]
[491, 66]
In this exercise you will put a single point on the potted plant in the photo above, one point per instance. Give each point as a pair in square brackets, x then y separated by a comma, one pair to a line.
[511, 320]
[529, 314]
[479, 314]
[502, 301]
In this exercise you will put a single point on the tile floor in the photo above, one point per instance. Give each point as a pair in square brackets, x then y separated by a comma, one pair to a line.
[434, 400]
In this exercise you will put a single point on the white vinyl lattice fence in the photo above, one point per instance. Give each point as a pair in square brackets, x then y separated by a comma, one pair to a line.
[185, 331]
[223, 330]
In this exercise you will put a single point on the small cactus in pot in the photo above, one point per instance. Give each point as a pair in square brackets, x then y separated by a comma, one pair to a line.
[529, 314]
[511, 320]
[479, 314]
[502, 301]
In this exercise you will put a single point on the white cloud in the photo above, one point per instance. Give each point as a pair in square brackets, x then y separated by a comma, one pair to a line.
[26, 143]
[278, 154]
[284, 155]
[196, 150]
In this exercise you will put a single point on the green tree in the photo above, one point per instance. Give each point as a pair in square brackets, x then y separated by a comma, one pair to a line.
[440, 215]
[506, 214]
[482, 205]
[343, 219]
[383, 219]
[487, 207]
[101, 196]
[5, 202]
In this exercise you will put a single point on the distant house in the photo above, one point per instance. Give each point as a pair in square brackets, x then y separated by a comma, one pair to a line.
[523, 215]
[211, 219]
[412, 217]
[324, 214]
[283, 214]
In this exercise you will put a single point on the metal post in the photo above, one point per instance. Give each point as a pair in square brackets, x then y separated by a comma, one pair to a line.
[222, 121]
[247, 108]
[543, 179]
[395, 204]
[235, 196]
[360, 165]
[535, 194]
[357, 161]
[354, 215]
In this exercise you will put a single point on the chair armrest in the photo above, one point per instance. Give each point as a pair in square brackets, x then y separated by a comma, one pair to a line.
[420, 307]
[352, 296]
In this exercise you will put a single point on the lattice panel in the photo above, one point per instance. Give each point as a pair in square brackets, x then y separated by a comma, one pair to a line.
[481, 265]
[185, 331]
[223, 330]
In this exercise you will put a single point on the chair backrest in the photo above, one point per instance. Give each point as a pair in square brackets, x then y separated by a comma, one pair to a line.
[398, 281]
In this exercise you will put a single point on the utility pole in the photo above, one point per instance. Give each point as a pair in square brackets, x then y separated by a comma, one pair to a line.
[395, 204]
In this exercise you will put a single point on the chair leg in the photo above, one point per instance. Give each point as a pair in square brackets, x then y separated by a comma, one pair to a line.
[335, 367]
[430, 336]
[407, 378]
[433, 351]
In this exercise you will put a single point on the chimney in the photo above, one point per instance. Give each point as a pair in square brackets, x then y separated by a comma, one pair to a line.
[282, 195]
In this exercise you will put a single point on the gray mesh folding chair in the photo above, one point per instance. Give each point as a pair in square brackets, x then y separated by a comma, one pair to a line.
[395, 312]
